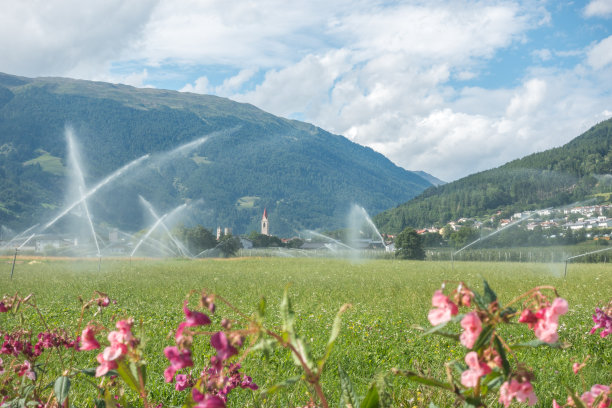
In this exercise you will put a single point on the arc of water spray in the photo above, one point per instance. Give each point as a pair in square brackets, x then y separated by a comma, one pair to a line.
[330, 239]
[95, 189]
[581, 255]
[157, 223]
[495, 232]
[16, 237]
[184, 251]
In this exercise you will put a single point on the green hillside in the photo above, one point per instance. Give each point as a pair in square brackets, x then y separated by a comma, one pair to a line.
[574, 172]
[305, 176]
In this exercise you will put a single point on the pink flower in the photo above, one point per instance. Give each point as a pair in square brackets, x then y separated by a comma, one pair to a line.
[192, 318]
[602, 321]
[26, 369]
[207, 400]
[445, 309]
[589, 397]
[556, 405]
[182, 382]
[477, 369]
[521, 391]
[545, 321]
[105, 365]
[178, 359]
[114, 352]
[472, 327]
[577, 367]
[88, 339]
[3, 308]
[221, 344]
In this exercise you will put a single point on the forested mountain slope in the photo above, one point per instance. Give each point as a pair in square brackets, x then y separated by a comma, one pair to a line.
[555, 177]
[304, 176]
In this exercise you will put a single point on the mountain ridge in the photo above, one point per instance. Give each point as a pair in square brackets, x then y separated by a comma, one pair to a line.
[554, 177]
[306, 177]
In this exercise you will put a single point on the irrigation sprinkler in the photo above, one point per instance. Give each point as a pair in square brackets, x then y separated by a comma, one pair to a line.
[581, 255]
[14, 259]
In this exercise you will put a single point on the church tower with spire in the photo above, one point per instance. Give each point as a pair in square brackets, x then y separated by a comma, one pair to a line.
[265, 226]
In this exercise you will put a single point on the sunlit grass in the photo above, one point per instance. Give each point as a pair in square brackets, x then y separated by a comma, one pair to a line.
[388, 298]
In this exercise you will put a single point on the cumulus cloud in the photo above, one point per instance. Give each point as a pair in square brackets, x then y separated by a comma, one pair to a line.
[598, 8]
[396, 76]
[600, 55]
[67, 37]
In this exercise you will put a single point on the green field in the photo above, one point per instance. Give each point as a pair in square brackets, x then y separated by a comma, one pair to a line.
[387, 297]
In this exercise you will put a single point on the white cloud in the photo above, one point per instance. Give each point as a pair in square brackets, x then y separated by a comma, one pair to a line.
[67, 37]
[601, 54]
[598, 8]
[542, 54]
[201, 86]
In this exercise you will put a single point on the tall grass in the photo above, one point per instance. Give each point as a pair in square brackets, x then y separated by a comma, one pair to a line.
[389, 298]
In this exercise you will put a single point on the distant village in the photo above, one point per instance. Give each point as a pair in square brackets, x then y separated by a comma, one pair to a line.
[583, 218]
[575, 219]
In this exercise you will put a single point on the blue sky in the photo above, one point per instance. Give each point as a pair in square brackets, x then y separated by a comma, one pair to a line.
[448, 87]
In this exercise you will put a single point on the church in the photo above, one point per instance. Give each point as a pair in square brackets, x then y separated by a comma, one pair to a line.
[265, 225]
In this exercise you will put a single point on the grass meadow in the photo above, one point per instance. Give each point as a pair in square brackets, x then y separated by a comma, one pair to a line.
[388, 298]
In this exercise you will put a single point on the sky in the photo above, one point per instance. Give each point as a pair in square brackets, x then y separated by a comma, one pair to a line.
[447, 87]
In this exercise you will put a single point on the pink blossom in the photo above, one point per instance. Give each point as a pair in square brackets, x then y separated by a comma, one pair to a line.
[472, 327]
[602, 321]
[445, 309]
[556, 405]
[477, 369]
[589, 397]
[521, 391]
[3, 308]
[207, 400]
[221, 344]
[114, 352]
[192, 319]
[182, 382]
[88, 339]
[546, 331]
[178, 359]
[26, 369]
[105, 365]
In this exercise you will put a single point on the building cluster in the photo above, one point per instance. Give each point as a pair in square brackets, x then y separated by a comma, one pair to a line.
[576, 218]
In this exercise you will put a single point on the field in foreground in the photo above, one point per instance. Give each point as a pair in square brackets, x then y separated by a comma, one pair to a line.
[387, 297]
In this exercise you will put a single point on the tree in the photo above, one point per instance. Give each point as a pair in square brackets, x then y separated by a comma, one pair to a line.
[409, 245]
[229, 245]
[197, 238]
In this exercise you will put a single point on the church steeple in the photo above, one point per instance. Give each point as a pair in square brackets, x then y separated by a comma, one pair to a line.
[265, 226]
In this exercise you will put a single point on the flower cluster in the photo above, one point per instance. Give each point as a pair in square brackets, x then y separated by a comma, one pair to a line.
[597, 397]
[220, 377]
[545, 320]
[485, 358]
[603, 320]
[121, 342]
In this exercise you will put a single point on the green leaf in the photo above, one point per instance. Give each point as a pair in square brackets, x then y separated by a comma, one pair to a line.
[287, 314]
[480, 301]
[349, 397]
[371, 399]
[92, 372]
[333, 335]
[126, 375]
[61, 389]
[304, 351]
[536, 343]
[265, 345]
[278, 386]
[489, 295]
[502, 354]
[412, 376]
[484, 337]
[261, 309]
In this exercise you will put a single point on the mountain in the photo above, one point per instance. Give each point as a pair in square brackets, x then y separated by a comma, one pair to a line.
[571, 173]
[249, 160]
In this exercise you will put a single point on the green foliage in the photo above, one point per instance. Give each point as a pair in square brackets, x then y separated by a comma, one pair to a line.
[551, 178]
[229, 245]
[409, 245]
[196, 238]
